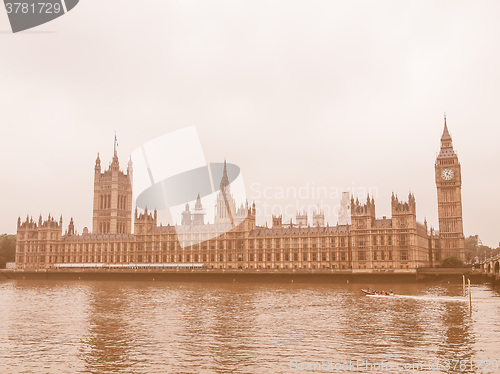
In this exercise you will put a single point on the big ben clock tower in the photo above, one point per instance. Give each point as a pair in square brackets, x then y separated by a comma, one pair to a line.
[449, 186]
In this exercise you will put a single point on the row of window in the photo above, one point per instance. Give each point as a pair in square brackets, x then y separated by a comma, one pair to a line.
[173, 246]
[221, 257]
[259, 243]
[187, 258]
[283, 252]
[383, 256]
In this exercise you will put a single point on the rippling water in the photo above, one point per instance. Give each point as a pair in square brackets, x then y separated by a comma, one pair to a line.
[97, 327]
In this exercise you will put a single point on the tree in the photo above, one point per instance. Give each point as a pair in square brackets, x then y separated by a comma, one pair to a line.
[476, 251]
[471, 248]
[452, 262]
[7, 249]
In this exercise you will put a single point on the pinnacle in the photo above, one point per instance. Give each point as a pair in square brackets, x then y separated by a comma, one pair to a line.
[446, 134]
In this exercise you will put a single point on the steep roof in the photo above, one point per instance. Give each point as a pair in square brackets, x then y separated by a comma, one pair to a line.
[446, 134]
[446, 150]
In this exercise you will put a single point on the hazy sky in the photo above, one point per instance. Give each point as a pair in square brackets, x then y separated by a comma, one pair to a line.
[299, 94]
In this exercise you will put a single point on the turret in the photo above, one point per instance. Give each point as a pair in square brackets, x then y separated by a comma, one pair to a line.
[186, 216]
[144, 222]
[301, 218]
[130, 170]
[71, 227]
[362, 216]
[402, 207]
[367, 209]
[319, 218]
[97, 165]
[199, 212]
[277, 221]
[404, 214]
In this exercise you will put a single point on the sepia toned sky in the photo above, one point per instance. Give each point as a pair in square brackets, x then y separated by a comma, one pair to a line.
[303, 95]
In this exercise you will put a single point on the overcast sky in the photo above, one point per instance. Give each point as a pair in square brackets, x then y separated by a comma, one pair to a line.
[299, 94]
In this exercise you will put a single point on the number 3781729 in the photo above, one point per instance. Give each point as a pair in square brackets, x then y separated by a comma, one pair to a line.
[33, 8]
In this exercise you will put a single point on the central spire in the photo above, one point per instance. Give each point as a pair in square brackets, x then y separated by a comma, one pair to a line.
[225, 180]
[115, 145]
[198, 203]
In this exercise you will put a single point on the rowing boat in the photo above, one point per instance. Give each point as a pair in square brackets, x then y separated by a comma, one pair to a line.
[369, 292]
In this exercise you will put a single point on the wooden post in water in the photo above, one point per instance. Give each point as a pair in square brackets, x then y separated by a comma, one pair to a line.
[463, 278]
[470, 298]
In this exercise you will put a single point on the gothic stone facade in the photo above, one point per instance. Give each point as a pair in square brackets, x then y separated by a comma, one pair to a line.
[399, 243]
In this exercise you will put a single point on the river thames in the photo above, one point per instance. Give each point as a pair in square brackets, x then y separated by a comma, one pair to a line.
[156, 327]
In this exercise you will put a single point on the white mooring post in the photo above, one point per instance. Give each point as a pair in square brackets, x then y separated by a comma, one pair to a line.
[470, 298]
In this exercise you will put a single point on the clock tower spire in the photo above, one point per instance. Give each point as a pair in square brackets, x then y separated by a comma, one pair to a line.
[449, 194]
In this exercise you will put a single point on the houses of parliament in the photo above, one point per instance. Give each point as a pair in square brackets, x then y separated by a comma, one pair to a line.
[361, 243]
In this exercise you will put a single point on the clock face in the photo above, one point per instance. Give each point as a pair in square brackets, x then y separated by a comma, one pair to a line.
[447, 174]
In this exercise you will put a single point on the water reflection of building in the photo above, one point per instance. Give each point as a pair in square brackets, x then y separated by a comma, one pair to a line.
[107, 346]
[364, 243]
